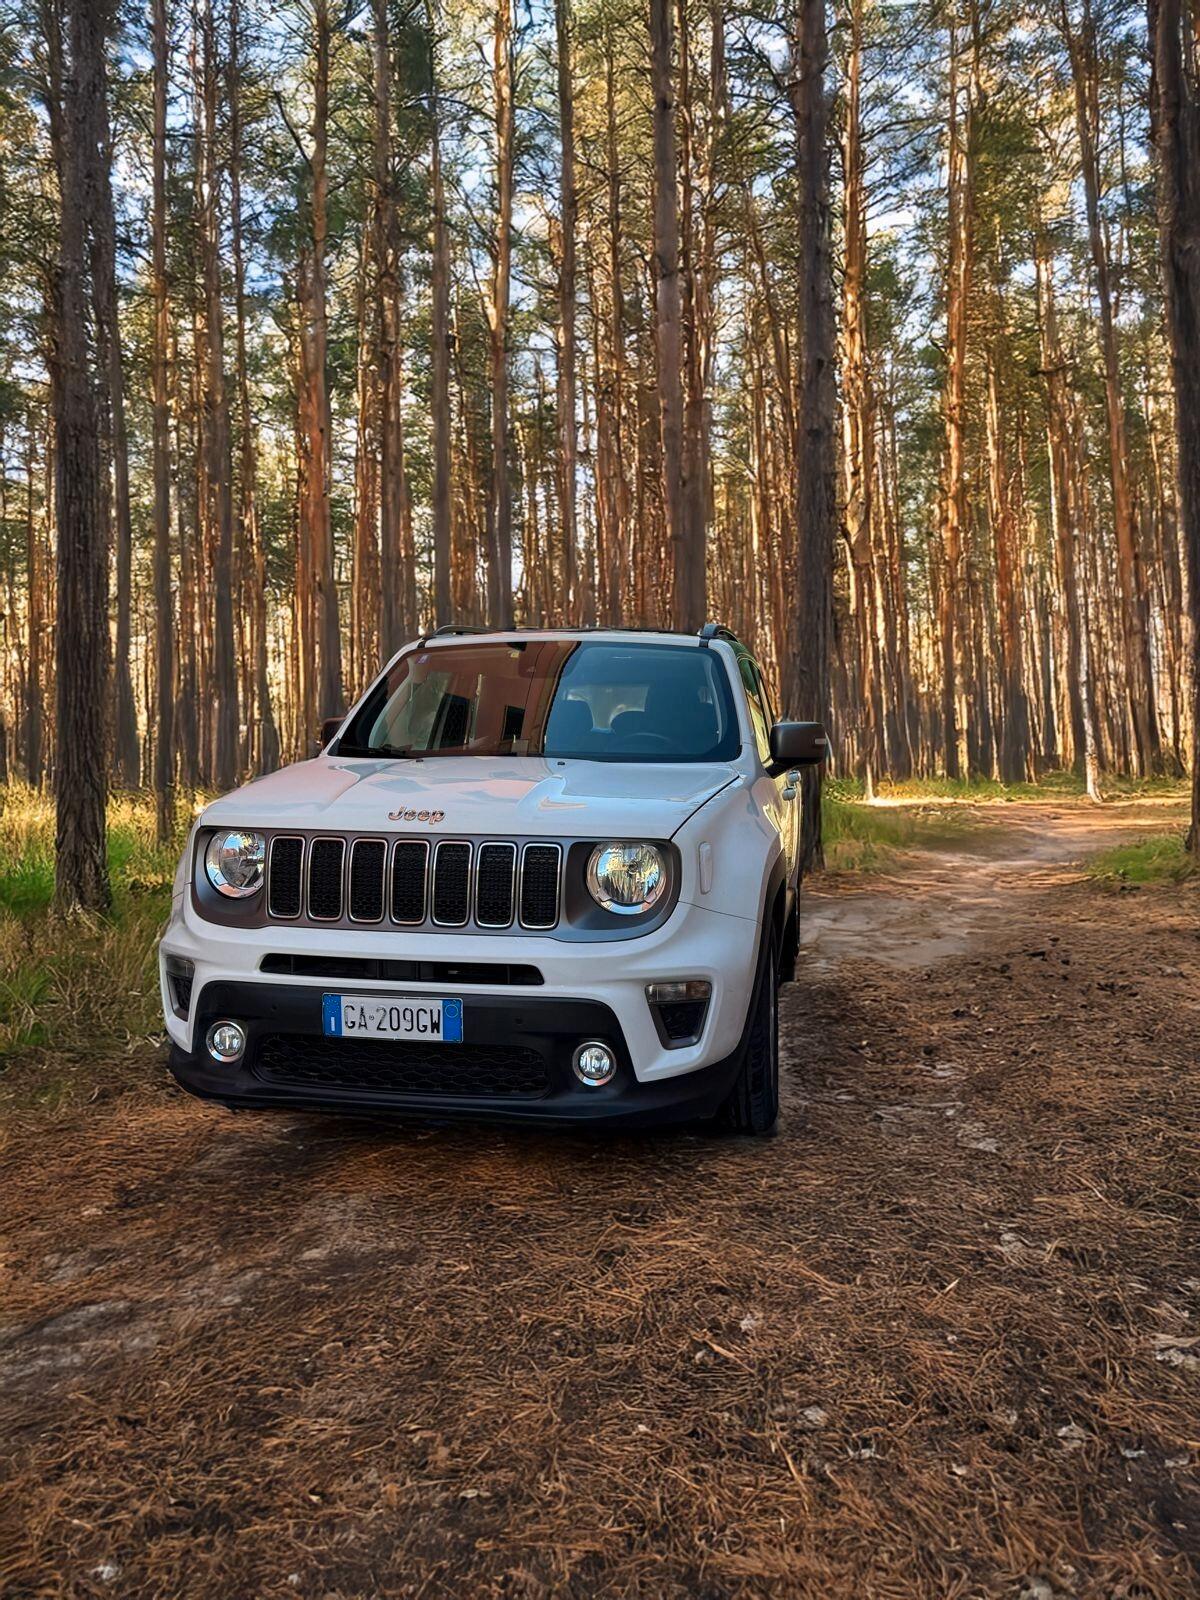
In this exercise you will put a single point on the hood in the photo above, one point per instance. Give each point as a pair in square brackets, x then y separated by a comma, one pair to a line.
[503, 795]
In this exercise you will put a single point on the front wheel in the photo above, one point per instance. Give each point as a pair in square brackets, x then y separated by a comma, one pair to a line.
[753, 1104]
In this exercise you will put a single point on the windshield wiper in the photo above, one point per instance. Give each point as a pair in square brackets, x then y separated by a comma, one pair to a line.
[385, 752]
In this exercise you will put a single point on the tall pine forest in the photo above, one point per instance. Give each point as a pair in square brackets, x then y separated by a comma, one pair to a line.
[870, 330]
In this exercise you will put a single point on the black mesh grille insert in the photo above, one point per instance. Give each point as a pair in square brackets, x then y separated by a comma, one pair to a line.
[494, 874]
[539, 885]
[401, 1067]
[408, 881]
[451, 883]
[366, 879]
[325, 878]
[286, 889]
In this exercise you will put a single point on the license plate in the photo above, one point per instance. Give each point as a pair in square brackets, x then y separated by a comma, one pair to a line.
[379, 1016]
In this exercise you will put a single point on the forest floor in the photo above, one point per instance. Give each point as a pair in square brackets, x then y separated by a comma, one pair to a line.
[939, 1338]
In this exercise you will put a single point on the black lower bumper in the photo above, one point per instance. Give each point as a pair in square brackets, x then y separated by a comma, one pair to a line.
[514, 1064]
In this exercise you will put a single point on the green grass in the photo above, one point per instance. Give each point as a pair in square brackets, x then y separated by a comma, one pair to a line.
[1158, 859]
[87, 986]
[863, 838]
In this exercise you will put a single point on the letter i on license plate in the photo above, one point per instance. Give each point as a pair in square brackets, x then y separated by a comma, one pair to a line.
[377, 1016]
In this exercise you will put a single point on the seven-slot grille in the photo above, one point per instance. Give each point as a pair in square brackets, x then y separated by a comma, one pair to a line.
[449, 882]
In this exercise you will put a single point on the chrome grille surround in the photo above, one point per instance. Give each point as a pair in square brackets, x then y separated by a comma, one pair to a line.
[440, 878]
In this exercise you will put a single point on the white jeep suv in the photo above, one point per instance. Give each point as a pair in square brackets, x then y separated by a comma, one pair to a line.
[541, 876]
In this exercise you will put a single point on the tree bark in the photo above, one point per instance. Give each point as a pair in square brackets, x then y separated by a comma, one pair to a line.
[164, 611]
[1135, 621]
[397, 566]
[807, 682]
[263, 733]
[215, 422]
[686, 564]
[125, 752]
[960, 227]
[440, 352]
[1175, 103]
[569, 210]
[499, 573]
[81, 633]
[314, 361]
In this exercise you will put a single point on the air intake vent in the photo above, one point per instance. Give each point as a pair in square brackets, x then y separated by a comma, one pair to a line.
[325, 879]
[410, 861]
[495, 874]
[286, 893]
[451, 883]
[539, 885]
[367, 858]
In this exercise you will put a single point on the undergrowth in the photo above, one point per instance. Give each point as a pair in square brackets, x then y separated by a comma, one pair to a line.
[88, 985]
[863, 838]
[1158, 859]
[1051, 786]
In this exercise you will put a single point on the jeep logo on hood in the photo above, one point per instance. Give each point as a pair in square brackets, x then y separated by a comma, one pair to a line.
[416, 816]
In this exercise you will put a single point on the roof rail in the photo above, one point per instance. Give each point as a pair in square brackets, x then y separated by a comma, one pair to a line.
[459, 627]
[715, 630]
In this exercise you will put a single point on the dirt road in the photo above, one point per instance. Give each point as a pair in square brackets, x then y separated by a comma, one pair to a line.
[940, 1337]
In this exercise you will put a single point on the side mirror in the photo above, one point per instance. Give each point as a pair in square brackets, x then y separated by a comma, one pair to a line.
[329, 730]
[797, 744]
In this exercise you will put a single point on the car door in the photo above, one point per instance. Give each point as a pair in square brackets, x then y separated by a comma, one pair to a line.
[783, 805]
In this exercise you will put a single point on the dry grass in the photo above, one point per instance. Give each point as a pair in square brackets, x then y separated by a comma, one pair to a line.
[71, 990]
[937, 1341]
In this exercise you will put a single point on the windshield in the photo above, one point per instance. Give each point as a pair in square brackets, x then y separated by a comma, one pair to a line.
[591, 700]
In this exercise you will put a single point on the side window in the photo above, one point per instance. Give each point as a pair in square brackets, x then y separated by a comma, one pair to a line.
[759, 716]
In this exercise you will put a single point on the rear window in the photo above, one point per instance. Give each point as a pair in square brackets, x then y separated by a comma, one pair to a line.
[593, 700]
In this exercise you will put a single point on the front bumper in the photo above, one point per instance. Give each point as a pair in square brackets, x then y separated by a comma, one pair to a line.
[514, 1064]
[694, 942]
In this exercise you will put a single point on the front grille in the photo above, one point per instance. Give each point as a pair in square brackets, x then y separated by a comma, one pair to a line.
[400, 1067]
[325, 858]
[495, 876]
[410, 863]
[539, 885]
[367, 857]
[450, 883]
[286, 898]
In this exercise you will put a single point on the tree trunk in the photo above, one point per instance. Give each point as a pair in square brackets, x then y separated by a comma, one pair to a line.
[806, 680]
[960, 227]
[569, 210]
[317, 525]
[397, 570]
[669, 313]
[215, 423]
[1176, 124]
[263, 734]
[164, 611]
[125, 752]
[1135, 620]
[81, 633]
[440, 336]
[499, 573]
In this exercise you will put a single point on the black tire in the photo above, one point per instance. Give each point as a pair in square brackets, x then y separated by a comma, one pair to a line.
[753, 1104]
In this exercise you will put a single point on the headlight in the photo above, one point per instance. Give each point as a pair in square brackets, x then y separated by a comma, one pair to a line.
[234, 863]
[626, 878]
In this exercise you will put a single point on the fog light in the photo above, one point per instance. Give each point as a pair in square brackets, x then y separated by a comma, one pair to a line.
[226, 1042]
[594, 1064]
